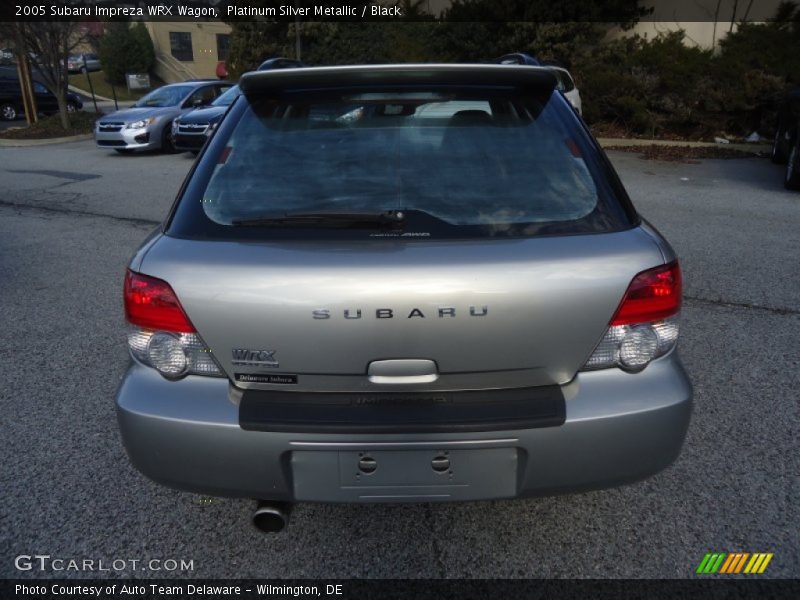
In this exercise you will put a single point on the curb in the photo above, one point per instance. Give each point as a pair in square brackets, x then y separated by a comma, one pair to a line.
[11, 143]
[754, 147]
[78, 90]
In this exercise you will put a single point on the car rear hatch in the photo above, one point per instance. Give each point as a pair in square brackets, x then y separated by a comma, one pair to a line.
[502, 313]
[509, 283]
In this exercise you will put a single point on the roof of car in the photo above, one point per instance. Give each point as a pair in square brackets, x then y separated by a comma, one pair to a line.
[198, 82]
[516, 58]
[280, 62]
[408, 74]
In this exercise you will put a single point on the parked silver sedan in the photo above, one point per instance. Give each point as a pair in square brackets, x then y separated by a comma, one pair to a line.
[147, 125]
[402, 283]
[80, 63]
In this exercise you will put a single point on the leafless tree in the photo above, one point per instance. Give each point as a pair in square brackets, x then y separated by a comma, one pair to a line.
[716, 20]
[733, 15]
[747, 11]
[49, 45]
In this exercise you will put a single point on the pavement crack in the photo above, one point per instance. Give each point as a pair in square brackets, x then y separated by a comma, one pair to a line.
[747, 305]
[80, 213]
[72, 176]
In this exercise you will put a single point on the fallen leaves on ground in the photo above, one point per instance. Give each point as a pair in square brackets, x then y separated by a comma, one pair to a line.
[684, 154]
[50, 127]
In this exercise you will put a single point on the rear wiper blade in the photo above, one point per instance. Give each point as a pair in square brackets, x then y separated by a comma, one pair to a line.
[391, 218]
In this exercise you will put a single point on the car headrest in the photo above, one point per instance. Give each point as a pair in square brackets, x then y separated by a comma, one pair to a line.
[465, 118]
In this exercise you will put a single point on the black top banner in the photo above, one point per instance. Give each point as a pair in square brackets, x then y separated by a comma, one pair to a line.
[612, 11]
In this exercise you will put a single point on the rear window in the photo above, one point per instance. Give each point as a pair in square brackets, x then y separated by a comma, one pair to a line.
[466, 163]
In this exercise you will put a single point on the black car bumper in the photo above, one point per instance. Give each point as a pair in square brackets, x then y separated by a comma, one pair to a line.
[189, 142]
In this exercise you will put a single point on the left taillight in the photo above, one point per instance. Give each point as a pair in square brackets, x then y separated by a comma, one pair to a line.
[645, 325]
[150, 303]
[162, 336]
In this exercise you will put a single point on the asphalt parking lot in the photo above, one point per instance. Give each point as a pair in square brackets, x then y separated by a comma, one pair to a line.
[70, 217]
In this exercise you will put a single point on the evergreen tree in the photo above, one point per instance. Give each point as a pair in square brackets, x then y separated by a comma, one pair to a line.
[125, 49]
[141, 53]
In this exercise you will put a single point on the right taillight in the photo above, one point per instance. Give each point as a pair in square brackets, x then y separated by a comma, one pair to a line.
[645, 325]
[162, 336]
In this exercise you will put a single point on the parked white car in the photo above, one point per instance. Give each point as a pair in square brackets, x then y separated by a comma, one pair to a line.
[564, 81]
[566, 85]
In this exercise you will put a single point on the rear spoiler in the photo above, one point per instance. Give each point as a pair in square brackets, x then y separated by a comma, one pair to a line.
[539, 79]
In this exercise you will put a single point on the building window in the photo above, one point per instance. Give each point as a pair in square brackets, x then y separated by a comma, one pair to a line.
[223, 46]
[180, 43]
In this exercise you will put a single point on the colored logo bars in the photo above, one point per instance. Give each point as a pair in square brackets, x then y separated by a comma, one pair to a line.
[734, 562]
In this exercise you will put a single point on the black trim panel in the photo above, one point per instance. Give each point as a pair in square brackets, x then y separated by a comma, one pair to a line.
[402, 412]
[189, 142]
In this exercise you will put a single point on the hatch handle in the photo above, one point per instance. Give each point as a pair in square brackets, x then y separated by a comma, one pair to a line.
[402, 371]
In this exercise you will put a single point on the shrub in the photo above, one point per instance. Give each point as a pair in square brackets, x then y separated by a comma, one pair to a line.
[755, 65]
[663, 85]
[646, 87]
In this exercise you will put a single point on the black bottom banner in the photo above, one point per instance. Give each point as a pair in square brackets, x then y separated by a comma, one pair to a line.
[707, 589]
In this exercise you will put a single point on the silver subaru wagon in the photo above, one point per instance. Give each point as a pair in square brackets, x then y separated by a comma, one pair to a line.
[402, 283]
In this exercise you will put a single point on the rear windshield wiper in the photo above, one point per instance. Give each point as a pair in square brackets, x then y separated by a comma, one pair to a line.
[392, 218]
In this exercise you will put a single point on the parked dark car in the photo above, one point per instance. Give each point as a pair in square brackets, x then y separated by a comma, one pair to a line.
[11, 106]
[786, 146]
[190, 131]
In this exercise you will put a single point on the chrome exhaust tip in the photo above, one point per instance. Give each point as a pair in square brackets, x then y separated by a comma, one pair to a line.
[271, 517]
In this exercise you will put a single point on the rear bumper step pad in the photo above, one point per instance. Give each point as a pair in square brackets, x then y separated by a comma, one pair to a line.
[402, 412]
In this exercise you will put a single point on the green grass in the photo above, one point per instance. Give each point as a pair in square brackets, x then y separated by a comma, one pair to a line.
[50, 127]
[103, 88]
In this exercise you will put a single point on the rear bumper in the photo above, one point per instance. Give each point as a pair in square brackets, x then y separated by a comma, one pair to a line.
[619, 428]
